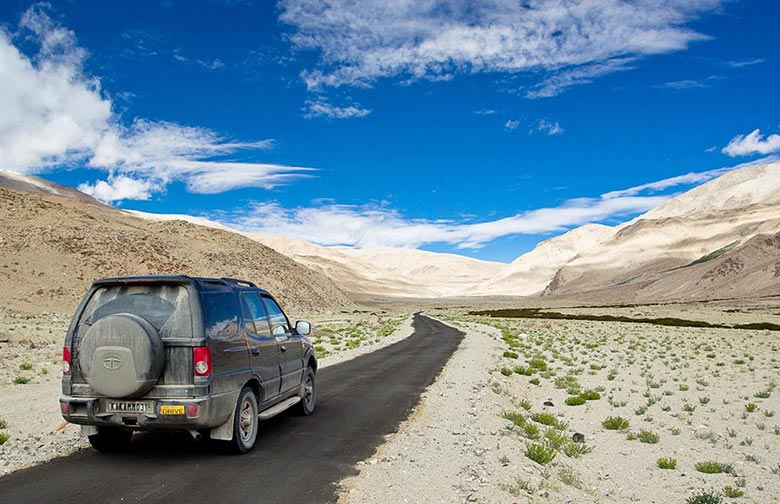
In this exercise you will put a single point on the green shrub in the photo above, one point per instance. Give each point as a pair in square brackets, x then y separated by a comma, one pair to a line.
[21, 380]
[514, 417]
[3, 438]
[532, 431]
[649, 437]
[541, 453]
[710, 467]
[506, 371]
[3, 424]
[732, 492]
[590, 395]
[667, 463]
[25, 366]
[544, 419]
[615, 423]
[534, 381]
[705, 498]
[751, 407]
[539, 364]
[575, 401]
[511, 355]
[576, 450]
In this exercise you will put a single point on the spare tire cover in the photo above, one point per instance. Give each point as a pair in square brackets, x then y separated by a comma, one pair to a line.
[121, 356]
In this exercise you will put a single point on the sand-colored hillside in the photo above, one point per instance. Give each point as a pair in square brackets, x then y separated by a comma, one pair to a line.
[390, 272]
[530, 273]
[650, 259]
[52, 247]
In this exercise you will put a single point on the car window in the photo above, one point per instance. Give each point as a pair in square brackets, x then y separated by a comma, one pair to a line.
[279, 323]
[164, 306]
[221, 318]
[258, 323]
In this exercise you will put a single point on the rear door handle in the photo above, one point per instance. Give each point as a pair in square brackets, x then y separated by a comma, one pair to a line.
[283, 348]
[255, 351]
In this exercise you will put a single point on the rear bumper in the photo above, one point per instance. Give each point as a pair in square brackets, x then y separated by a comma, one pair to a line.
[198, 413]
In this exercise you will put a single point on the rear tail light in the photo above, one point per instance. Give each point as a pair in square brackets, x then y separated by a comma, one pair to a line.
[193, 410]
[63, 407]
[201, 358]
[66, 362]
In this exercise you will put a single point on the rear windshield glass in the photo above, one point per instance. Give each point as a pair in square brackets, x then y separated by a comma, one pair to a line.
[166, 307]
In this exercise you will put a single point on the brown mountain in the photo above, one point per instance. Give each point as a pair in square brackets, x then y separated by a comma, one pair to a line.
[52, 245]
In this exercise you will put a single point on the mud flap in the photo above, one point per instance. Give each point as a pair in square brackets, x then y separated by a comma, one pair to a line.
[225, 431]
[88, 430]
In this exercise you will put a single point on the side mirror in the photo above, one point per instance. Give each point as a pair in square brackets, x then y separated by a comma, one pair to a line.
[303, 327]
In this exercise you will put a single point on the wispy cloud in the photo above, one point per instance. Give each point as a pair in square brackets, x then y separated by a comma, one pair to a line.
[562, 80]
[549, 127]
[486, 112]
[682, 85]
[56, 115]
[511, 124]
[361, 42]
[322, 108]
[380, 226]
[745, 63]
[751, 144]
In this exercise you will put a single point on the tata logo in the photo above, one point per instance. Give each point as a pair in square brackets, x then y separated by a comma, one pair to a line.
[112, 362]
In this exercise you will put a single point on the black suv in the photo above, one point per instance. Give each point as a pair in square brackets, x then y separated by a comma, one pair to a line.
[208, 355]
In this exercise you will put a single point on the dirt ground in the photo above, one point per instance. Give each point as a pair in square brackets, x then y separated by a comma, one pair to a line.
[519, 391]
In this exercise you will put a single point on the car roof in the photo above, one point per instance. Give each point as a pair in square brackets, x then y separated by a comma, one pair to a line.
[183, 279]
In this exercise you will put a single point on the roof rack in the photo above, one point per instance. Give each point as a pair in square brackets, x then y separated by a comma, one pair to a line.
[240, 282]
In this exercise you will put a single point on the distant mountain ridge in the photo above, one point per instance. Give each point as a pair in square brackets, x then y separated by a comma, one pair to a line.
[715, 240]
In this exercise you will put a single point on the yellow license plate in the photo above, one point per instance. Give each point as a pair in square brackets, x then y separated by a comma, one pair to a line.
[177, 409]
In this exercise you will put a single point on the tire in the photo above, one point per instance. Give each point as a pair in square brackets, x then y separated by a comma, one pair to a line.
[121, 356]
[309, 398]
[110, 439]
[245, 422]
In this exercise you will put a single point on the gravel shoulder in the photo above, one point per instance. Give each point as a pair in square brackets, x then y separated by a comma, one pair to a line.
[447, 450]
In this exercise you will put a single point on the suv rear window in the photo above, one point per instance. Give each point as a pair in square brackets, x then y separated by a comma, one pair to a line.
[165, 306]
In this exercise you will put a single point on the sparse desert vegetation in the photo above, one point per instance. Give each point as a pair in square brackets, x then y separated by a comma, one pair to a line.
[693, 400]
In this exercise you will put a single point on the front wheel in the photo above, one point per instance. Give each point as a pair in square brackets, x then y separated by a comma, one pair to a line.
[110, 439]
[309, 397]
[245, 422]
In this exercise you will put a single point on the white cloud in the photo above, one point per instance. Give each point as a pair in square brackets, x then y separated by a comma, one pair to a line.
[486, 112]
[50, 111]
[688, 179]
[752, 143]
[380, 226]
[321, 108]
[511, 124]
[361, 42]
[119, 188]
[745, 63]
[371, 226]
[549, 127]
[53, 114]
[576, 76]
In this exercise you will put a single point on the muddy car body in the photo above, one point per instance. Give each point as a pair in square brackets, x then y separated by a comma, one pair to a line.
[206, 355]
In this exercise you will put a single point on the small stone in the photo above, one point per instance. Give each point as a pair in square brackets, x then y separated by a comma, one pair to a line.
[578, 437]
[549, 403]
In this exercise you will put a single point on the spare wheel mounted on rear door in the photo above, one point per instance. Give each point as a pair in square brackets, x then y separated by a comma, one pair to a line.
[121, 356]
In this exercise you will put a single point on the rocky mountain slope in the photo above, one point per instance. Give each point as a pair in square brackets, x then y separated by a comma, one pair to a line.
[682, 248]
[530, 273]
[52, 246]
[389, 272]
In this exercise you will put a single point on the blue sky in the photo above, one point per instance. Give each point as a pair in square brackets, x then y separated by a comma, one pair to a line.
[477, 128]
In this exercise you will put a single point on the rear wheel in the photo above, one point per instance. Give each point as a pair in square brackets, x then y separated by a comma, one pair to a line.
[309, 397]
[110, 439]
[245, 422]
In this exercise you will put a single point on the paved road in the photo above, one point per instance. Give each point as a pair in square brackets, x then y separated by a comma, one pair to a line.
[296, 459]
